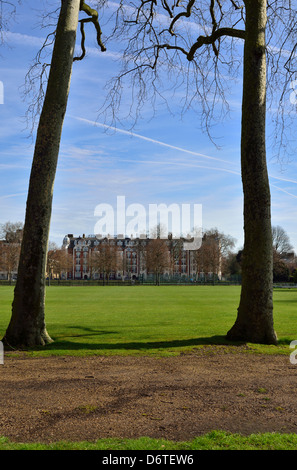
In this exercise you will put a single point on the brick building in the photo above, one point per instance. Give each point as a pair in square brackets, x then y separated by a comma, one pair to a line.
[131, 259]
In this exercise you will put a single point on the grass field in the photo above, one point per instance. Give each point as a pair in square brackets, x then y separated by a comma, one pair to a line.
[164, 320]
[214, 440]
[148, 319]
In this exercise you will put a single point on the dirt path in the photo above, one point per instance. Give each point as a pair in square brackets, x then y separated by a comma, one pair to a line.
[178, 398]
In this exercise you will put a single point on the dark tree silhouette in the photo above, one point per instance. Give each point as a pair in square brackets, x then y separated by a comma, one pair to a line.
[161, 41]
[27, 325]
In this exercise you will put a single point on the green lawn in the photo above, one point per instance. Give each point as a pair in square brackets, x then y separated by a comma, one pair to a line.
[214, 440]
[162, 320]
[148, 319]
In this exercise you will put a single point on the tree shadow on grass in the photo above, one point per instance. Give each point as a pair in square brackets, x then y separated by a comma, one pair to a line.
[60, 344]
[85, 332]
[284, 341]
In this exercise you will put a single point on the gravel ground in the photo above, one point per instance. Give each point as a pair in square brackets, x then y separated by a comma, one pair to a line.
[178, 398]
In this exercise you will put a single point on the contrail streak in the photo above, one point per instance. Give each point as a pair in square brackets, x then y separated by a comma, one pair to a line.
[189, 165]
[197, 154]
[12, 195]
[283, 190]
[283, 179]
[148, 139]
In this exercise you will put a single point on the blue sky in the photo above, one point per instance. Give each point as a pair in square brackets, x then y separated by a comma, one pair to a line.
[165, 160]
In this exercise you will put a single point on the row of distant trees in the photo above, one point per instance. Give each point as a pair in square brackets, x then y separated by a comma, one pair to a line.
[156, 257]
[215, 255]
[284, 259]
[11, 235]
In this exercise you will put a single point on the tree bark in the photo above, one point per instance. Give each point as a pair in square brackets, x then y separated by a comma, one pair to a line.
[27, 325]
[254, 321]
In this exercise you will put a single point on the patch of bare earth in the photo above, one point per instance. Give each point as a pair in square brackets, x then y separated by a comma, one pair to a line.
[177, 398]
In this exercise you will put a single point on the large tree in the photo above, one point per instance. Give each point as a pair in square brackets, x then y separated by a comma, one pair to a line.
[105, 259]
[59, 262]
[11, 234]
[157, 258]
[255, 313]
[281, 241]
[160, 38]
[216, 246]
[282, 250]
[27, 325]
[9, 257]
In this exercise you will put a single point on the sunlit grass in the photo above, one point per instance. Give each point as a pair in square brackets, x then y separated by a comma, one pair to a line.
[148, 319]
[163, 320]
[214, 440]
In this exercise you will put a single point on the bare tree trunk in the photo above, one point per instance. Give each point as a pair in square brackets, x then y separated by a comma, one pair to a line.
[27, 324]
[254, 321]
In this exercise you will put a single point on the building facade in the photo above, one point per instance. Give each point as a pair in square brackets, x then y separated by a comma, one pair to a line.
[131, 258]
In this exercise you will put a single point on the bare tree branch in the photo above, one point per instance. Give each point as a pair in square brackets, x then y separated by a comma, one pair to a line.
[37, 76]
[7, 14]
[185, 14]
[93, 19]
[217, 34]
[158, 38]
